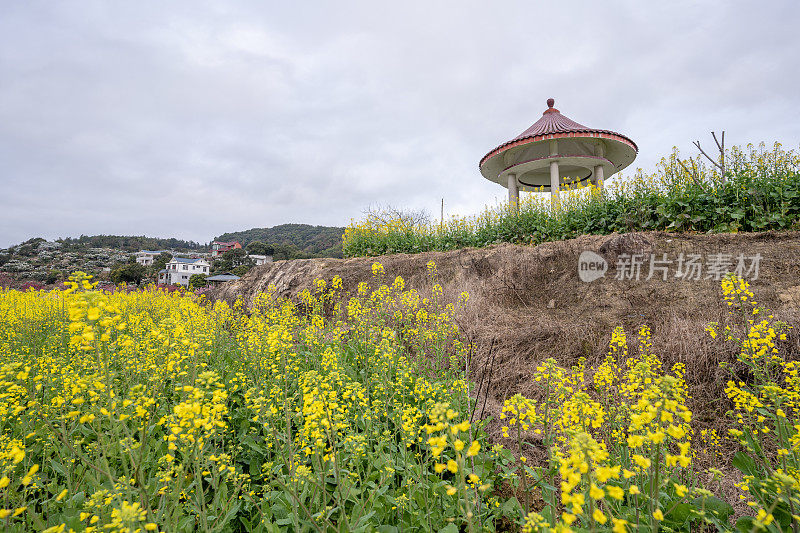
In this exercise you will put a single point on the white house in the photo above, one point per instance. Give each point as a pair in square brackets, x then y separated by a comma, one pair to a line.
[260, 259]
[146, 257]
[180, 269]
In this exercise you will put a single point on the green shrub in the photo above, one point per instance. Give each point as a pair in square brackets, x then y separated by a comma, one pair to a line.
[197, 281]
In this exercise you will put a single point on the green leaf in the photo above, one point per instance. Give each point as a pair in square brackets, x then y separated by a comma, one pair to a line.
[449, 528]
[745, 464]
[679, 514]
[720, 508]
[78, 499]
[250, 443]
[782, 515]
[58, 468]
[744, 524]
[511, 508]
[230, 514]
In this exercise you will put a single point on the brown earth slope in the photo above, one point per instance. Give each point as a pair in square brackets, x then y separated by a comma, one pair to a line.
[530, 304]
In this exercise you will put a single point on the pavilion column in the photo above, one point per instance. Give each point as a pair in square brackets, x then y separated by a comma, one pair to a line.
[598, 169]
[554, 177]
[554, 193]
[513, 192]
[598, 177]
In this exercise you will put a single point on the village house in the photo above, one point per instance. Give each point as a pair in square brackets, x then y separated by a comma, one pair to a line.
[180, 269]
[221, 278]
[260, 259]
[218, 248]
[147, 257]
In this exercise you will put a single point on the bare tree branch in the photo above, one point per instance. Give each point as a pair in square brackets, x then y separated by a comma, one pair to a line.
[721, 147]
[408, 219]
[715, 163]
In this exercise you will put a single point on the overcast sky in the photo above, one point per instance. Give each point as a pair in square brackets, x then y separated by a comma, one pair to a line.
[190, 119]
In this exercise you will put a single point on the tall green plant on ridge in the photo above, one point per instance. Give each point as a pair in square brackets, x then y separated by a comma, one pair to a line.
[761, 191]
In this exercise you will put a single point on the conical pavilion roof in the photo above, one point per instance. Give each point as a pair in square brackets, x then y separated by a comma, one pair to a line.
[554, 123]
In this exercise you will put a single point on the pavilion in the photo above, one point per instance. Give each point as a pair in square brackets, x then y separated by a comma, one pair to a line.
[556, 151]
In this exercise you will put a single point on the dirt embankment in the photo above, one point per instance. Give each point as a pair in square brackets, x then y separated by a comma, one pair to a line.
[530, 302]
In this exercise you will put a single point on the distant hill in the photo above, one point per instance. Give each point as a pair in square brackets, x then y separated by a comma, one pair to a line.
[129, 243]
[311, 241]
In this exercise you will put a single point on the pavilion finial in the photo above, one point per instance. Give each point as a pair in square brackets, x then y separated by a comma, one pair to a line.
[551, 102]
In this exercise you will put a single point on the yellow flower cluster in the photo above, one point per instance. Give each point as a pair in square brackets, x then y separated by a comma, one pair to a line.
[522, 411]
[611, 440]
[200, 414]
[765, 407]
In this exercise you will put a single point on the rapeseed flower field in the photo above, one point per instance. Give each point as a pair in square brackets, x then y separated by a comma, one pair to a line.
[150, 411]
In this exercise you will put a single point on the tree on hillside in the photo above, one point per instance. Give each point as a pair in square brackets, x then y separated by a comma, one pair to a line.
[54, 276]
[128, 273]
[288, 251]
[241, 270]
[129, 243]
[260, 248]
[30, 247]
[404, 219]
[160, 262]
[231, 260]
[197, 281]
[310, 241]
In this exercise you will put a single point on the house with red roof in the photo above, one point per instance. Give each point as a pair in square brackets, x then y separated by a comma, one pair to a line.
[218, 248]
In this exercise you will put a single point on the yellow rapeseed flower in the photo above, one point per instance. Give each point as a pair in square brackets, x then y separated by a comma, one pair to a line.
[599, 517]
[474, 448]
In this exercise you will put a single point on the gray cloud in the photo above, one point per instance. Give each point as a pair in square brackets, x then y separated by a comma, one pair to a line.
[190, 119]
